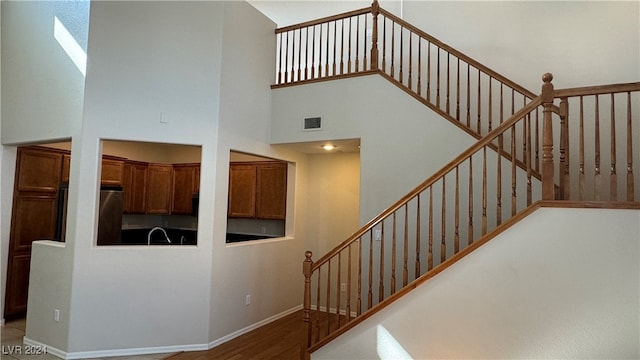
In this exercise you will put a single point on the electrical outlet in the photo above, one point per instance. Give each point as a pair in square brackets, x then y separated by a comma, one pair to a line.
[264, 229]
[377, 235]
[343, 287]
[56, 315]
[247, 300]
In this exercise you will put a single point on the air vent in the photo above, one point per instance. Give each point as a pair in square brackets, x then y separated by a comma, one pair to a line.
[312, 124]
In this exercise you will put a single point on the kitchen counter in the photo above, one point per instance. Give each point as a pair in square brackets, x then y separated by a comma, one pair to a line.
[139, 236]
[234, 237]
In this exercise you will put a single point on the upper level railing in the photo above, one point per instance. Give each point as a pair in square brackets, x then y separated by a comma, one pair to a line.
[372, 40]
[471, 198]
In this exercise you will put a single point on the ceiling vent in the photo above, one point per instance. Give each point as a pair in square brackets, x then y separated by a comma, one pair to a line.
[312, 124]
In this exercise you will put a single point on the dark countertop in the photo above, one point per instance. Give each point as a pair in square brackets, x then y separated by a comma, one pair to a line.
[139, 237]
[233, 237]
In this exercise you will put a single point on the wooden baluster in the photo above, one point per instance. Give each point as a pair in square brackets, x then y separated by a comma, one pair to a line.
[350, 31]
[405, 269]
[292, 71]
[479, 105]
[342, 48]
[401, 75]
[468, 96]
[430, 254]
[490, 113]
[306, 306]
[358, 44]
[286, 58]
[499, 181]
[392, 288]
[375, 10]
[313, 54]
[548, 187]
[581, 175]
[335, 47]
[597, 179]
[443, 220]
[338, 290]
[537, 141]
[410, 59]
[418, 220]
[528, 162]
[279, 66]
[326, 62]
[484, 190]
[370, 292]
[328, 298]
[320, 52]
[470, 229]
[613, 185]
[300, 55]
[630, 184]
[419, 67]
[448, 101]
[359, 289]
[364, 60]
[456, 234]
[318, 291]
[348, 307]
[458, 90]
[306, 54]
[514, 167]
[428, 71]
[562, 161]
[381, 279]
[384, 44]
[393, 49]
[438, 77]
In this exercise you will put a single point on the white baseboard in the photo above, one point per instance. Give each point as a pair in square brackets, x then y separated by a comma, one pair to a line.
[117, 352]
[333, 311]
[245, 330]
[159, 349]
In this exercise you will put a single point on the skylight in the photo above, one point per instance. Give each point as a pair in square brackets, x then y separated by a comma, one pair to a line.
[69, 44]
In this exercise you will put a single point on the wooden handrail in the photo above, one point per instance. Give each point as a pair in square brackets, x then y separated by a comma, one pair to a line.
[428, 182]
[323, 20]
[458, 54]
[596, 90]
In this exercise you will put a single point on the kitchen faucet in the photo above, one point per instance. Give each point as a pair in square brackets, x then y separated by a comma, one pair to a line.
[154, 229]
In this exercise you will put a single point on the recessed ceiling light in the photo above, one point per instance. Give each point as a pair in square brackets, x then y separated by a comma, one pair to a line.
[328, 147]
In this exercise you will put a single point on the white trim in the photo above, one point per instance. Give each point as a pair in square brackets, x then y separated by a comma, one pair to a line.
[117, 352]
[2, 322]
[254, 326]
[332, 311]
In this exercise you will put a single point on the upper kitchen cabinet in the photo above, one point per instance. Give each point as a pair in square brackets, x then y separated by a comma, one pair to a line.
[159, 183]
[271, 192]
[186, 183]
[112, 171]
[135, 187]
[38, 170]
[258, 190]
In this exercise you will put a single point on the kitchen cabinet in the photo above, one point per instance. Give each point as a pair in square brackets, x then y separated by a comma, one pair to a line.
[66, 167]
[257, 190]
[38, 176]
[112, 173]
[271, 192]
[134, 187]
[159, 183]
[186, 181]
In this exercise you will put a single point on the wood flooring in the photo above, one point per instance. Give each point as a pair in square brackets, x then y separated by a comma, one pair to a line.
[278, 340]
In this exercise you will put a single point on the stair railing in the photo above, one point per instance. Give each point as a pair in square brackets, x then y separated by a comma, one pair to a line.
[372, 40]
[437, 223]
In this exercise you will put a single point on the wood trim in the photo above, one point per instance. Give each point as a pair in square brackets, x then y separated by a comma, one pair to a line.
[323, 20]
[326, 78]
[597, 90]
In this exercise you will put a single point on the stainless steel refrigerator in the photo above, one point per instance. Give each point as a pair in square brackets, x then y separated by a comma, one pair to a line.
[109, 214]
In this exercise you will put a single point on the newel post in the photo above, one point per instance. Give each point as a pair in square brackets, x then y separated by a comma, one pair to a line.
[306, 306]
[548, 188]
[375, 10]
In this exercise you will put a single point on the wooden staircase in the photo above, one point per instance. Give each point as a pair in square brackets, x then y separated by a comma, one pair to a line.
[532, 150]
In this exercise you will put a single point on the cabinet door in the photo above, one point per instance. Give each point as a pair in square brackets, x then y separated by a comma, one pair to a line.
[34, 218]
[112, 172]
[134, 186]
[184, 187]
[66, 166]
[271, 194]
[17, 284]
[159, 188]
[242, 190]
[38, 170]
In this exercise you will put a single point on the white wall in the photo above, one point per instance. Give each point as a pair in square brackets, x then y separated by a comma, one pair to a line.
[562, 283]
[581, 42]
[43, 89]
